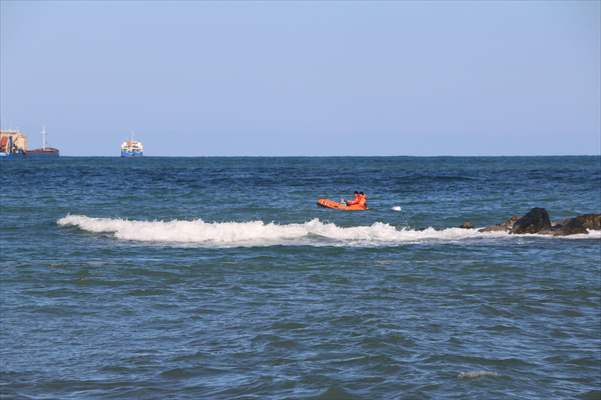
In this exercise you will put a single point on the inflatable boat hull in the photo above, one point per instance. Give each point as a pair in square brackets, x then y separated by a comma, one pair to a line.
[327, 203]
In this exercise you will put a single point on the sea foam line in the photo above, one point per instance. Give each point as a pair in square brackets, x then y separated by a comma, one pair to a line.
[259, 233]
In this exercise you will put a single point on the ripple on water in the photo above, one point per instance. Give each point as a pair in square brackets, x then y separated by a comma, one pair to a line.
[143, 292]
[288, 325]
[501, 328]
[474, 360]
[334, 393]
[590, 395]
[193, 372]
[397, 340]
[271, 341]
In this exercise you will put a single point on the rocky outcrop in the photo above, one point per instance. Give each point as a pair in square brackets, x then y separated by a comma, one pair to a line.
[503, 227]
[572, 226]
[577, 225]
[536, 220]
[467, 225]
[589, 221]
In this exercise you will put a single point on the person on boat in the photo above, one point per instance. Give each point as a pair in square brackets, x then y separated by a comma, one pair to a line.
[362, 200]
[355, 200]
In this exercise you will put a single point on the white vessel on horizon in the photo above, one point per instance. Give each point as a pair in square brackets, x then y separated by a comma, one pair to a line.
[132, 148]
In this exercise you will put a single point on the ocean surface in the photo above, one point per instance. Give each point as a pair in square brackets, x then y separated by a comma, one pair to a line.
[219, 278]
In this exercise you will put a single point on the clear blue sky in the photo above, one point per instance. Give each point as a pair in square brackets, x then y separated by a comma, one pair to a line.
[305, 78]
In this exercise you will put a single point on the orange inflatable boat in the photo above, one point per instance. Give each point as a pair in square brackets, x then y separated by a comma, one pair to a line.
[327, 203]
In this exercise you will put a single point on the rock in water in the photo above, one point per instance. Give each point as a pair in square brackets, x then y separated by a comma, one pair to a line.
[590, 221]
[467, 225]
[573, 226]
[504, 227]
[537, 221]
[534, 221]
[580, 224]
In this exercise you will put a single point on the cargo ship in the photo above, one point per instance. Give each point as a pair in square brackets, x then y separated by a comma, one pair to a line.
[45, 151]
[13, 145]
[132, 148]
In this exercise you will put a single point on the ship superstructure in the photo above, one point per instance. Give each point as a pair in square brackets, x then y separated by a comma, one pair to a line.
[13, 144]
[132, 148]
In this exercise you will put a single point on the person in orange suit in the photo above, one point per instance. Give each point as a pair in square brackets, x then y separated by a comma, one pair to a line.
[362, 200]
[356, 200]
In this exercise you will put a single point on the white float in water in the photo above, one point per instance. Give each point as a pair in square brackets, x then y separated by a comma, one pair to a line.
[476, 374]
[396, 208]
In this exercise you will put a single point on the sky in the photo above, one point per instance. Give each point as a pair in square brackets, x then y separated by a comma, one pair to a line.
[304, 78]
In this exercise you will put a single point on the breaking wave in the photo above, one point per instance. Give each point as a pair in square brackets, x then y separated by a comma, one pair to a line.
[258, 233]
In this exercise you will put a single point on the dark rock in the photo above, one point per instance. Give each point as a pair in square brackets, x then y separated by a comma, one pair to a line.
[573, 226]
[504, 227]
[580, 224]
[467, 225]
[536, 220]
[560, 222]
[590, 221]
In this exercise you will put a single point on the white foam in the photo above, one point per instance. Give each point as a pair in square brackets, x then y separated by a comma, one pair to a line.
[396, 208]
[476, 374]
[258, 233]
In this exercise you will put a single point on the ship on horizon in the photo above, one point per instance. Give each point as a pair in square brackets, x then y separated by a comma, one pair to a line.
[13, 145]
[132, 148]
[45, 151]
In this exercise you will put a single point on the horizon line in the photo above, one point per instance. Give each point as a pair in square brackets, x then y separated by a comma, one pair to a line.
[341, 156]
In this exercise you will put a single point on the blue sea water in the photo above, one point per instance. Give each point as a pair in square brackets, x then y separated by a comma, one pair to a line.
[219, 278]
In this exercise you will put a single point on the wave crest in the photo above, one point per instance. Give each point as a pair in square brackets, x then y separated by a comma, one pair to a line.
[258, 233]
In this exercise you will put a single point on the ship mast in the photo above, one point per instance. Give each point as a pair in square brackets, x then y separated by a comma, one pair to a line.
[43, 138]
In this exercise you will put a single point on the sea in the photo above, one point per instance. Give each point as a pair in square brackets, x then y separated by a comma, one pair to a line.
[220, 278]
